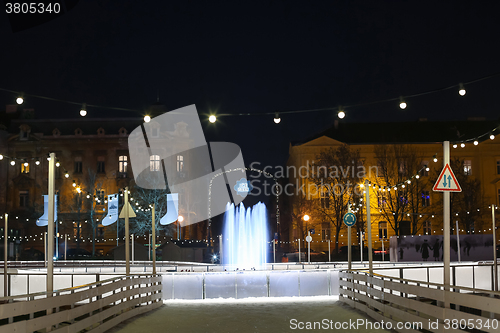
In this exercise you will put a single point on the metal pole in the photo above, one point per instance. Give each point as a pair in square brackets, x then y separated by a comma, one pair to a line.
[349, 259]
[220, 249]
[369, 227]
[65, 245]
[50, 227]
[117, 220]
[5, 256]
[495, 264]
[45, 248]
[299, 250]
[133, 252]
[127, 234]
[383, 250]
[361, 244]
[309, 248]
[149, 246]
[458, 241]
[446, 224]
[154, 241]
[274, 250]
[57, 240]
[329, 252]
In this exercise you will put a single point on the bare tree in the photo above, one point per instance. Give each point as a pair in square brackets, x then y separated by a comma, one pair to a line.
[337, 175]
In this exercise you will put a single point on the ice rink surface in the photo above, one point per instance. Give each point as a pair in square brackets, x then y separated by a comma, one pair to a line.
[283, 314]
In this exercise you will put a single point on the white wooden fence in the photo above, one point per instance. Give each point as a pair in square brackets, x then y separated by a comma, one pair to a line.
[395, 300]
[94, 307]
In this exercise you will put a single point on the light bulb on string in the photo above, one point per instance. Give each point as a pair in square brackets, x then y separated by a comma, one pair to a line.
[1, 157]
[20, 99]
[341, 113]
[462, 145]
[147, 119]
[83, 110]
[461, 89]
[66, 175]
[402, 103]
[12, 162]
[492, 137]
[37, 162]
[476, 142]
[455, 145]
[277, 118]
[213, 118]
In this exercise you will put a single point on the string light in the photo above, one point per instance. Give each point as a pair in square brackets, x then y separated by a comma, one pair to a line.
[37, 162]
[1, 157]
[461, 90]
[462, 145]
[12, 162]
[20, 99]
[213, 118]
[341, 113]
[147, 119]
[402, 103]
[277, 118]
[476, 142]
[492, 137]
[83, 110]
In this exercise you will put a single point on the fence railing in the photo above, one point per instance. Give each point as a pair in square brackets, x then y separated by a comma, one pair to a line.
[411, 306]
[95, 307]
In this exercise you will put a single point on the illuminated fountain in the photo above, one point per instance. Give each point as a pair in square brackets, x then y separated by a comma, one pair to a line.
[245, 236]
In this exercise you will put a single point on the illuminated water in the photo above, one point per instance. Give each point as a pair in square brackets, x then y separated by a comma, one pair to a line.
[244, 236]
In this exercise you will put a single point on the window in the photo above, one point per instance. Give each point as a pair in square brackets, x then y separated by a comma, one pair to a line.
[100, 197]
[382, 230]
[25, 167]
[23, 198]
[122, 164]
[424, 166]
[382, 199]
[427, 227]
[78, 164]
[154, 163]
[325, 231]
[100, 230]
[426, 199]
[498, 167]
[467, 167]
[325, 198]
[100, 164]
[180, 163]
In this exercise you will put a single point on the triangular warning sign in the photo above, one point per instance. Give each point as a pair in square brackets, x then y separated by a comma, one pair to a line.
[446, 181]
[131, 212]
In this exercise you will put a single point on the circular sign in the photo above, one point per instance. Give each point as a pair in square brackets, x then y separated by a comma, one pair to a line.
[349, 219]
[309, 239]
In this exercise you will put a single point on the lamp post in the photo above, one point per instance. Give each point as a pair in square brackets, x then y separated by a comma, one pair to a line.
[79, 207]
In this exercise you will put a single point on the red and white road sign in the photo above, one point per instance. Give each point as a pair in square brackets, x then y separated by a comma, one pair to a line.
[447, 182]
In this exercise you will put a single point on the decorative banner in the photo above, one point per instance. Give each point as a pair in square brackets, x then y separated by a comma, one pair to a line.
[172, 209]
[44, 219]
[112, 216]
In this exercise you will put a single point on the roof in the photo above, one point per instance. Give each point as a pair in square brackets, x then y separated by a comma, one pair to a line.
[408, 132]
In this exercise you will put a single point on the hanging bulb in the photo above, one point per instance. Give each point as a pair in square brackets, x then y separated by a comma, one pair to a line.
[277, 118]
[476, 142]
[58, 164]
[26, 163]
[37, 162]
[402, 103]
[461, 89]
[12, 162]
[341, 113]
[435, 158]
[462, 145]
[455, 145]
[492, 137]
[20, 99]
[213, 118]
[66, 175]
[74, 183]
[83, 110]
[427, 168]
[417, 176]
[147, 119]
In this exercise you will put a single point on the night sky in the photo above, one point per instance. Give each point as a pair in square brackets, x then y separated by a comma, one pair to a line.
[255, 57]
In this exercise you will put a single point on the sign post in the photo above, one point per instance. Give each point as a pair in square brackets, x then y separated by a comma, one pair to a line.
[446, 183]
[349, 220]
[369, 227]
[5, 257]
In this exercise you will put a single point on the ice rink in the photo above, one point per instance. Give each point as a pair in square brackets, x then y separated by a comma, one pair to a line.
[283, 314]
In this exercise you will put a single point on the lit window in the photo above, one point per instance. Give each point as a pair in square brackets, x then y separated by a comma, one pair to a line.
[427, 227]
[25, 168]
[122, 164]
[382, 230]
[426, 199]
[180, 163]
[381, 199]
[325, 231]
[154, 163]
[100, 196]
[467, 167]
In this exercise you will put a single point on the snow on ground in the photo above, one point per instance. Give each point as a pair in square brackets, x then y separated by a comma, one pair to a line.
[279, 314]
